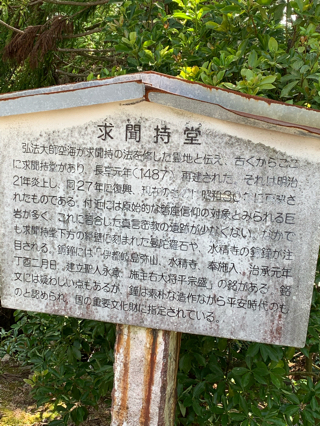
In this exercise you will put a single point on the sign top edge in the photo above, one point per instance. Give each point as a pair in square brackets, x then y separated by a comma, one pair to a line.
[255, 107]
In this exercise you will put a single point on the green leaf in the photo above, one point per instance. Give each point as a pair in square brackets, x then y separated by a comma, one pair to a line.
[263, 12]
[314, 404]
[79, 414]
[231, 9]
[275, 380]
[187, 402]
[253, 349]
[264, 351]
[243, 404]
[239, 371]
[279, 12]
[275, 421]
[36, 360]
[146, 56]
[220, 75]
[273, 45]
[307, 416]
[205, 78]
[278, 371]
[291, 410]
[122, 48]
[290, 352]
[253, 59]
[185, 363]
[297, 64]
[248, 74]
[317, 387]
[222, 344]
[225, 420]
[287, 89]
[197, 408]
[256, 411]
[199, 389]
[76, 393]
[310, 383]
[76, 352]
[314, 77]
[216, 370]
[237, 417]
[217, 410]
[293, 398]
[212, 25]
[300, 4]
[249, 361]
[268, 79]
[266, 86]
[90, 77]
[148, 43]
[310, 30]
[183, 409]
[246, 380]
[261, 369]
[230, 86]
[200, 359]
[132, 37]
[259, 378]
[67, 331]
[304, 69]
[181, 15]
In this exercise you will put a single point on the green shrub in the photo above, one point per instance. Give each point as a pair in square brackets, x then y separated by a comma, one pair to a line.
[72, 361]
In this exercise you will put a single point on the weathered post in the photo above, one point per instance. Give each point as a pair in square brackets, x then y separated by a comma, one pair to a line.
[145, 367]
[163, 206]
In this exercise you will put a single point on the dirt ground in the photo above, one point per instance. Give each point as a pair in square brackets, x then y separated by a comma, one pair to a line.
[18, 408]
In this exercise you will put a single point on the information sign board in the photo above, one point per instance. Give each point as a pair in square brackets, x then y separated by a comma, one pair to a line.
[149, 215]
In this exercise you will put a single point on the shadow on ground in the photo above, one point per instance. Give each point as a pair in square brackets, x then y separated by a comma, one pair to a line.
[18, 408]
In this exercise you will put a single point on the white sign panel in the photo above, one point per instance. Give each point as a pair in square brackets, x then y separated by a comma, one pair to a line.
[146, 215]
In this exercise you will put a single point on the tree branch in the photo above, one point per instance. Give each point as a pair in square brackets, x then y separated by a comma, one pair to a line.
[303, 373]
[22, 32]
[98, 30]
[78, 13]
[60, 49]
[70, 2]
[97, 58]
[70, 74]
[10, 27]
